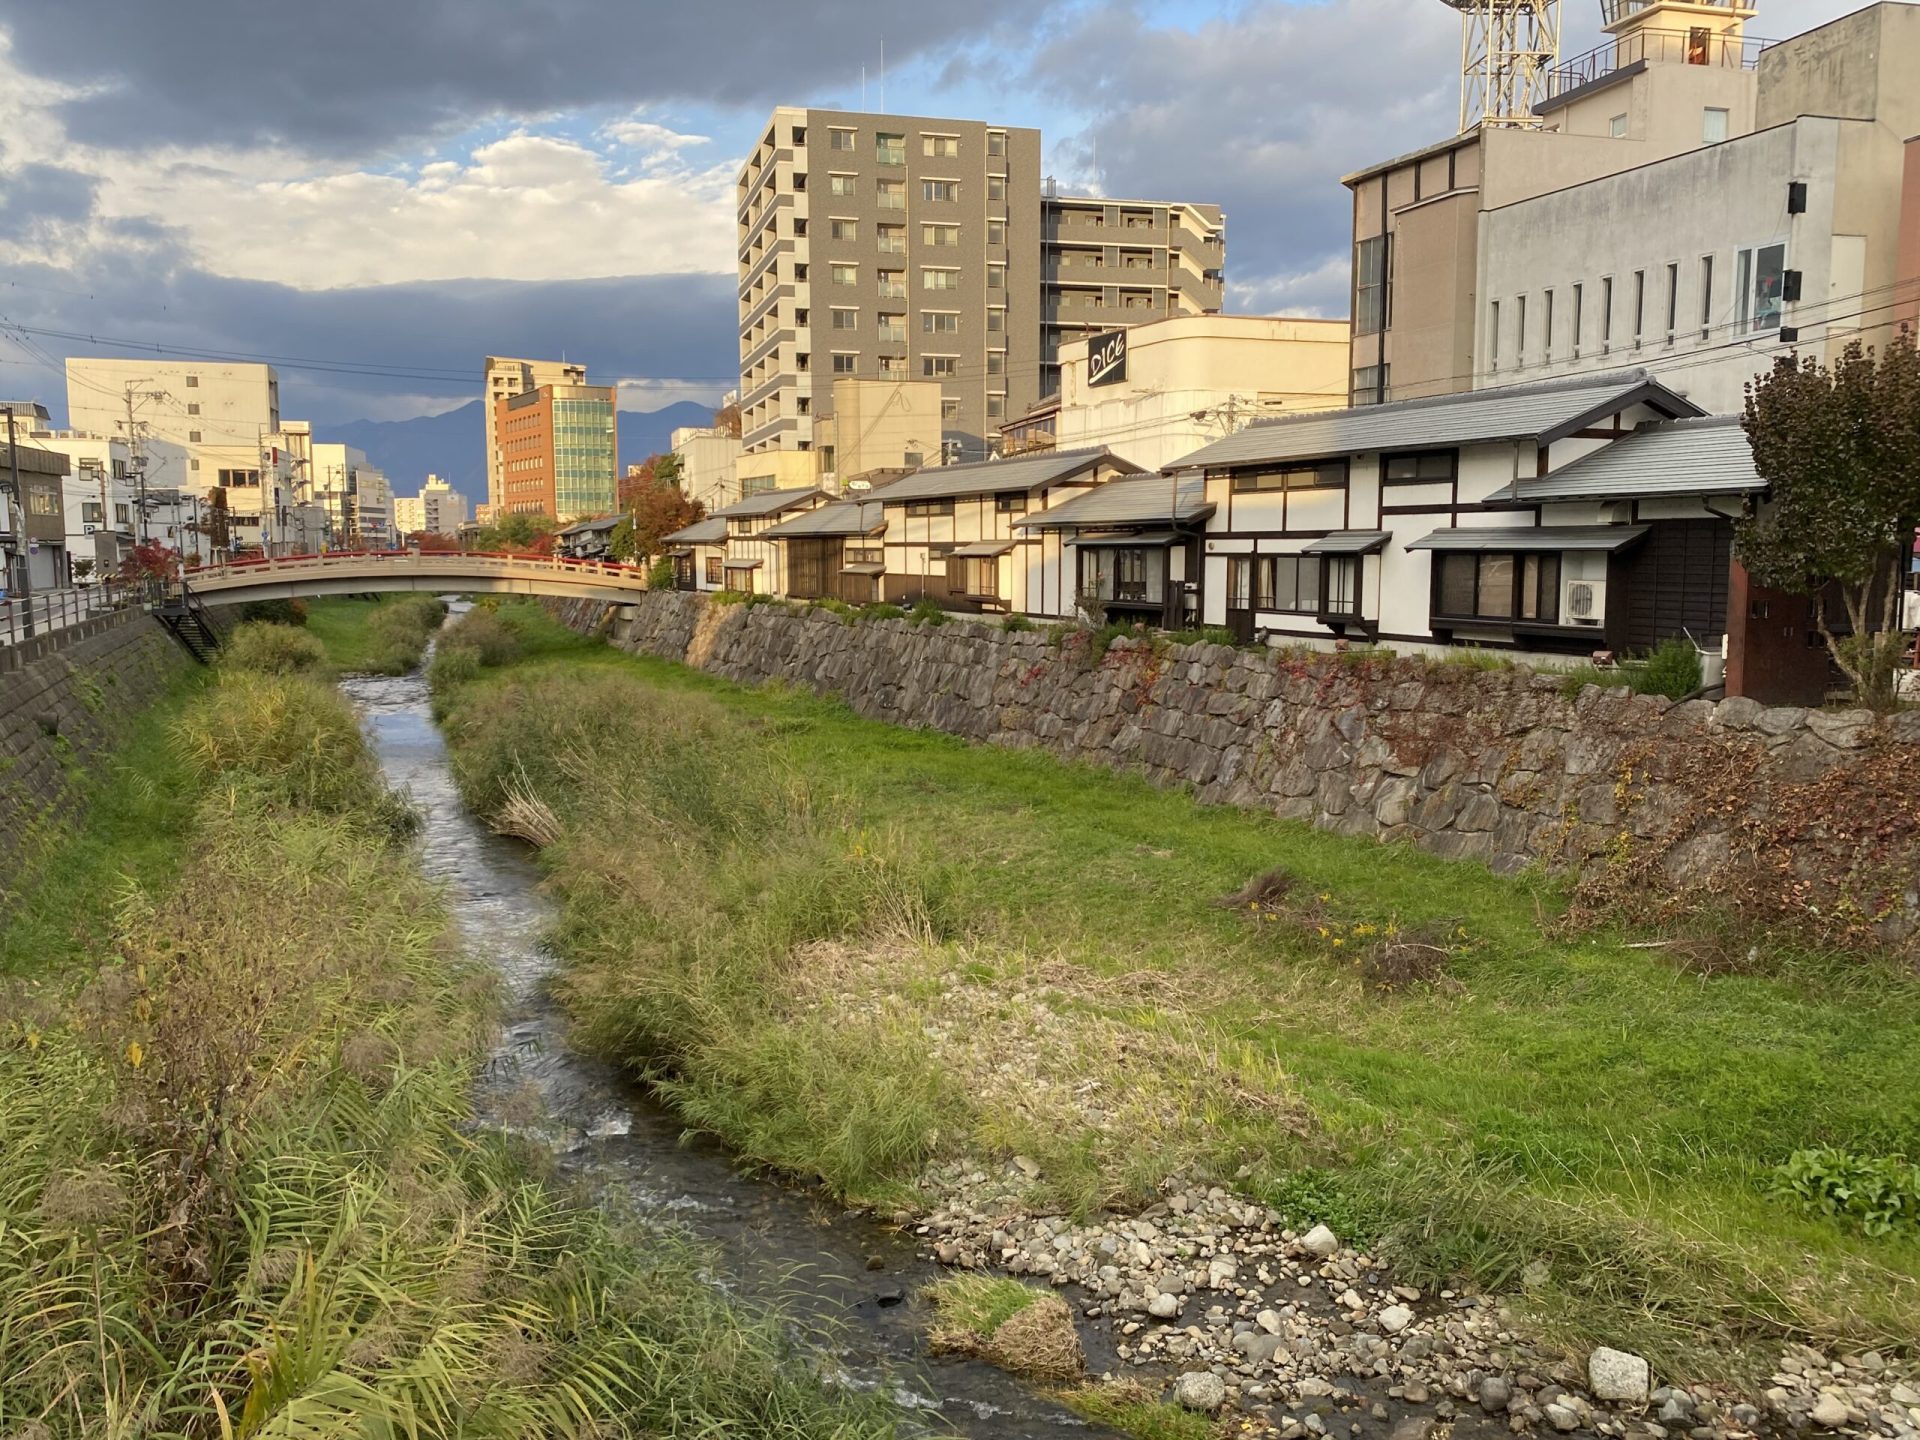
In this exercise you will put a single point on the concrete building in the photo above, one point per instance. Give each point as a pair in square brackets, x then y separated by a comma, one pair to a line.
[103, 498]
[558, 446]
[759, 471]
[373, 510]
[1163, 389]
[503, 376]
[338, 472]
[877, 426]
[708, 456]
[1110, 264]
[1705, 266]
[1676, 76]
[221, 416]
[438, 509]
[887, 247]
[33, 527]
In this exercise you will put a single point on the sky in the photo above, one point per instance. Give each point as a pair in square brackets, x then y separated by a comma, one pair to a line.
[386, 190]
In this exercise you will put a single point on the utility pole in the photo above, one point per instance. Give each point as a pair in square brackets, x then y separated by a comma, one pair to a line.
[21, 545]
[137, 457]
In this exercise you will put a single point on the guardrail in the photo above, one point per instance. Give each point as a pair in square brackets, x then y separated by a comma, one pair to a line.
[452, 564]
[48, 611]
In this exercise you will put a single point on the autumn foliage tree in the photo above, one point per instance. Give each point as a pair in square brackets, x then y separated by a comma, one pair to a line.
[1839, 448]
[150, 560]
[656, 507]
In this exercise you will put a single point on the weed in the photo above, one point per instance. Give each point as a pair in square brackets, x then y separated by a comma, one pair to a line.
[1013, 624]
[1022, 1330]
[978, 1304]
[1205, 635]
[928, 612]
[729, 597]
[1134, 1410]
[272, 649]
[882, 610]
[1881, 1194]
[1474, 657]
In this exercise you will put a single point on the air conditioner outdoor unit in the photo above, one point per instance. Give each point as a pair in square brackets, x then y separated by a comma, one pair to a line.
[1585, 602]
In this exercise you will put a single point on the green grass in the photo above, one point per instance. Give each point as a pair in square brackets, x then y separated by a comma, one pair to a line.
[1133, 1411]
[1566, 1099]
[976, 1303]
[383, 636]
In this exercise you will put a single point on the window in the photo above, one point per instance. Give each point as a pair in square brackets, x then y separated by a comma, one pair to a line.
[949, 408]
[1324, 474]
[240, 479]
[1579, 303]
[193, 382]
[1499, 587]
[893, 195]
[996, 232]
[193, 437]
[893, 239]
[865, 555]
[996, 404]
[893, 284]
[1546, 346]
[1122, 572]
[1370, 383]
[845, 363]
[846, 274]
[844, 229]
[1617, 127]
[1757, 278]
[799, 134]
[714, 575]
[1372, 285]
[996, 142]
[920, 509]
[893, 327]
[940, 190]
[846, 319]
[91, 513]
[940, 236]
[1015, 504]
[843, 139]
[800, 272]
[1520, 330]
[996, 319]
[193, 464]
[1673, 298]
[1540, 588]
[1606, 314]
[936, 367]
[1713, 126]
[1706, 296]
[893, 367]
[1418, 467]
[940, 147]
[1639, 305]
[843, 184]
[1493, 336]
[193, 407]
[996, 277]
[800, 181]
[1342, 584]
[803, 405]
[975, 575]
[939, 322]
[996, 187]
[939, 279]
[890, 149]
[996, 362]
[1286, 582]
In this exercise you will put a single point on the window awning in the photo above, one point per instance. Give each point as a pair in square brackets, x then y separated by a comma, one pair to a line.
[1148, 537]
[1349, 542]
[739, 564]
[982, 549]
[682, 552]
[1533, 537]
[864, 567]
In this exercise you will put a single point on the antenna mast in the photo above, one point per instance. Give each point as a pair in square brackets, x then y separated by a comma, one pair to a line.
[1508, 49]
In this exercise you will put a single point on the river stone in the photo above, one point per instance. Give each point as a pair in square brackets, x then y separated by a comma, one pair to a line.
[1561, 1418]
[1200, 1390]
[1494, 1394]
[1395, 1318]
[1164, 1306]
[1617, 1375]
[1320, 1241]
[1831, 1411]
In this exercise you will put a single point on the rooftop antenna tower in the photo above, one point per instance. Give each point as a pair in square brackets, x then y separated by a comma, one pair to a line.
[1508, 49]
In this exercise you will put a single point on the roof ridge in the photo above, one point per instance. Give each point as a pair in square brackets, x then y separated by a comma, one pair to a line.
[1596, 380]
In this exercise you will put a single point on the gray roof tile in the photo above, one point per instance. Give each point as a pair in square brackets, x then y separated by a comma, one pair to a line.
[1130, 500]
[1708, 456]
[995, 477]
[768, 502]
[710, 531]
[844, 517]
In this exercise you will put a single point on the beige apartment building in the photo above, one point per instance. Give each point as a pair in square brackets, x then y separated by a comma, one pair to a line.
[1110, 264]
[222, 415]
[1675, 76]
[888, 247]
[878, 428]
[503, 377]
[438, 509]
[708, 456]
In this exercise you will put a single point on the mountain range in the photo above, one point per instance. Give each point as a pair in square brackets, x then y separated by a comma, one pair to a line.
[453, 444]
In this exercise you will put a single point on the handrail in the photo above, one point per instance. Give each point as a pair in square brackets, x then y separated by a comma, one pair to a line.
[50, 610]
[1667, 47]
[428, 562]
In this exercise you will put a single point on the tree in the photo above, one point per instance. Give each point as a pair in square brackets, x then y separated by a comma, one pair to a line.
[1839, 449]
[150, 560]
[519, 531]
[655, 509]
[431, 542]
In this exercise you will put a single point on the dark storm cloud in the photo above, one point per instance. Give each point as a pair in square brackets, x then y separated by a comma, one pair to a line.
[1261, 111]
[347, 76]
[36, 197]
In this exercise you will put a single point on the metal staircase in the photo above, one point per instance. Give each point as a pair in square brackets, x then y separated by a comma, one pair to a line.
[183, 613]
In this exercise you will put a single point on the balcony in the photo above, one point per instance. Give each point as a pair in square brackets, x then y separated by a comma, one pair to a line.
[1657, 47]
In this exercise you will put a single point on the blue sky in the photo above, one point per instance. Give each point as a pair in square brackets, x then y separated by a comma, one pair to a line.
[411, 186]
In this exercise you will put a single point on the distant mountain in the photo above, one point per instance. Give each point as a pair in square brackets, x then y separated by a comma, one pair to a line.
[453, 445]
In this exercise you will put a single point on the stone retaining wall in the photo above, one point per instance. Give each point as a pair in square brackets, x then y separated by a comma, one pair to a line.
[66, 700]
[1806, 817]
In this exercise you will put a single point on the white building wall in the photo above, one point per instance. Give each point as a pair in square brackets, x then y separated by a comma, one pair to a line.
[707, 458]
[211, 411]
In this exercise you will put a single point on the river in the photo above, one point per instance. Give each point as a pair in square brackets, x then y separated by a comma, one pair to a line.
[849, 1279]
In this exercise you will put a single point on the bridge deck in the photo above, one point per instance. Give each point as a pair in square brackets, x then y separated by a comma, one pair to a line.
[434, 572]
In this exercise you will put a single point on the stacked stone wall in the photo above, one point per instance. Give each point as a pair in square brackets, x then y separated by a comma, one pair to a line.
[1807, 815]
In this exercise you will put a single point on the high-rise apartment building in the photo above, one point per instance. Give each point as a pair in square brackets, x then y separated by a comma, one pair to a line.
[557, 446]
[1110, 264]
[222, 415]
[504, 376]
[438, 509]
[888, 247]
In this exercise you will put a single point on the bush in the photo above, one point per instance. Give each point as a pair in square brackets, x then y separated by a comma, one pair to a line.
[661, 576]
[493, 640]
[272, 649]
[928, 612]
[882, 610]
[1880, 1194]
[275, 612]
[1205, 635]
[452, 665]
[1015, 623]
[1672, 670]
[400, 631]
[834, 607]
[730, 597]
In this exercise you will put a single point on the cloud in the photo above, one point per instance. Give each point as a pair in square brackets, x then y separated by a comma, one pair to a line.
[352, 77]
[1261, 111]
[38, 201]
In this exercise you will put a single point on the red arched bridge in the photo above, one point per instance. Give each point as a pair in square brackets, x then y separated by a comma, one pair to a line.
[435, 572]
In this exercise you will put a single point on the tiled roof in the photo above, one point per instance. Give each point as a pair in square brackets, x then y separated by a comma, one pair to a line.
[1532, 537]
[1708, 456]
[1540, 413]
[1131, 500]
[768, 502]
[710, 531]
[995, 477]
[844, 517]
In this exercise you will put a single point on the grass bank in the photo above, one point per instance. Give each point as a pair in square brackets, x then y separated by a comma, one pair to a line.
[379, 635]
[847, 948]
[243, 1195]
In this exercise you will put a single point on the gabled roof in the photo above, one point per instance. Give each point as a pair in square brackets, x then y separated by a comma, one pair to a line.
[1542, 413]
[710, 531]
[1705, 456]
[996, 477]
[843, 517]
[768, 502]
[605, 523]
[1131, 500]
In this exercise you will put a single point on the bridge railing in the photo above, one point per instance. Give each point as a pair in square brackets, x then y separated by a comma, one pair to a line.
[423, 562]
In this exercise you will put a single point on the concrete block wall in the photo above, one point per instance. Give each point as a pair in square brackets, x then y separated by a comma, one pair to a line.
[1810, 812]
[66, 700]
